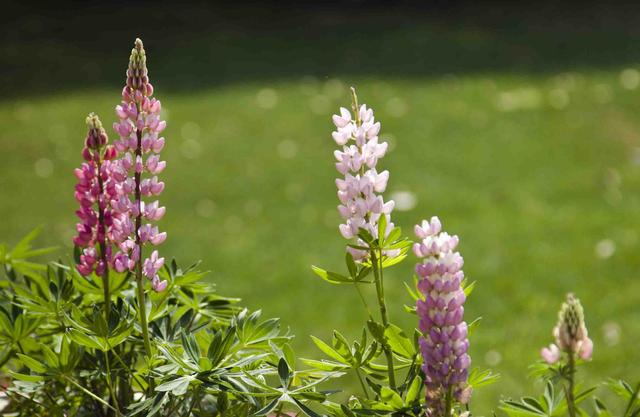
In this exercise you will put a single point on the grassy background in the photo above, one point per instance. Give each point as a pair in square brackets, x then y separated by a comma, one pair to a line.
[519, 129]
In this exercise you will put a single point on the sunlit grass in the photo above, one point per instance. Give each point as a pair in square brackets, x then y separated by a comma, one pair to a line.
[539, 176]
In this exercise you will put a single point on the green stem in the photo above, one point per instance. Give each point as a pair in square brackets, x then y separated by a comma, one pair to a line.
[364, 301]
[196, 399]
[103, 248]
[448, 402]
[139, 281]
[377, 272]
[89, 393]
[364, 387]
[570, 390]
[110, 383]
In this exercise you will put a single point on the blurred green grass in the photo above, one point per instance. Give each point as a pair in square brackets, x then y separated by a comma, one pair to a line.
[537, 171]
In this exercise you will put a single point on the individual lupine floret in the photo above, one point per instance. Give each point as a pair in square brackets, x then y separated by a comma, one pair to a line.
[140, 143]
[444, 343]
[570, 333]
[359, 191]
[94, 191]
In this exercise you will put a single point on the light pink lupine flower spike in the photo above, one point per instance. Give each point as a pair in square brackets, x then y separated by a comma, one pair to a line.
[139, 128]
[359, 191]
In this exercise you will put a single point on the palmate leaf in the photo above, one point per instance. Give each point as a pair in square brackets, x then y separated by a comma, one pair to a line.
[399, 342]
[480, 378]
[324, 365]
[16, 258]
[177, 386]
[329, 351]
[331, 277]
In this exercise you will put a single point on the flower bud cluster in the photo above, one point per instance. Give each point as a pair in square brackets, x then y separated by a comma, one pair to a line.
[570, 333]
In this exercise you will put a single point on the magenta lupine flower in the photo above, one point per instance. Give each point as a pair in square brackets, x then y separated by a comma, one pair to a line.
[94, 191]
[570, 333]
[444, 344]
[140, 143]
[359, 191]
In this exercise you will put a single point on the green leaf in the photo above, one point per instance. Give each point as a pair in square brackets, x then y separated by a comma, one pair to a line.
[365, 235]
[468, 289]
[351, 264]
[268, 408]
[309, 412]
[394, 235]
[377, 331]
[82, 339]
[480, 378]
[331, 277]
[387, 262]
[341, 345]
[414, 390]
[382, 228]
[191, 347]
[324, 365]
[31, 363]
[391, 398]
[177, 386]
[328, 350]
[399, 342]
[283, 372]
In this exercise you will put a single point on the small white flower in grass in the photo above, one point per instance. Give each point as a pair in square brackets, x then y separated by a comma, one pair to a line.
[602, 93]
[405, 200]
[190, 130]
[233, 224]
[319, 104]
[287, 149]
[558, 98]
[267, 98]
[397, 107]
[630, 78]
[611, 333]
[605, 248]
[253, 208]
[635, 156]
[493, 358]
[205, 208]
[334, 88]
[43, 167]
[191, 149]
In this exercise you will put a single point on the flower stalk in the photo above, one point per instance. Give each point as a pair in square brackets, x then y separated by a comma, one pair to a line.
[359, 192]
[139, 127]
[94, 191]
[571, 338]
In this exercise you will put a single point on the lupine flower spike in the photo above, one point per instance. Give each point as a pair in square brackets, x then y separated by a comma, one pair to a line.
[570, 333]
[139, 128]
[361, 204]
[444, 344]
[94, 191]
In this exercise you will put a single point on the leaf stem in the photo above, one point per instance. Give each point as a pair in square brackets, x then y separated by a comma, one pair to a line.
[448, 399]
[89, 393]
[103, 248]
[139, 282]
[570, 390]
[364, 387]
[364, 301]
[110, 384]
[377, 272]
